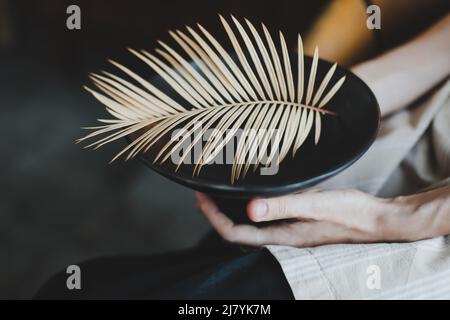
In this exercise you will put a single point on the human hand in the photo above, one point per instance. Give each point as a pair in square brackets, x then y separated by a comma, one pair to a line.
[318, 217]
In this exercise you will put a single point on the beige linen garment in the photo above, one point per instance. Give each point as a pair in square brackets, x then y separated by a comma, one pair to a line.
[412, 152]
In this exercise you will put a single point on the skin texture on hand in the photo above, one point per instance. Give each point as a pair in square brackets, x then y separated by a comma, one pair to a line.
[307, 219]
[335, 216]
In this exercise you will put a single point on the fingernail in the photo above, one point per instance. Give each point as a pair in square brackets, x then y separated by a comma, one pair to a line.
[259, 209]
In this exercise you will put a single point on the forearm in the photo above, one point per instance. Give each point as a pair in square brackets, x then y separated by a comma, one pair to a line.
[420, 216]
[400, 76]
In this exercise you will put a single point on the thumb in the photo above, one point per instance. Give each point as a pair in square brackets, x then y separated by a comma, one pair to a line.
[273, 208]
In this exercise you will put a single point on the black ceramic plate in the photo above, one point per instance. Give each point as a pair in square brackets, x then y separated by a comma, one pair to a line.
[344, 139]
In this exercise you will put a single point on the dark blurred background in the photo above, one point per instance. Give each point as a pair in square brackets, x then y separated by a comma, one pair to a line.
[60, 204]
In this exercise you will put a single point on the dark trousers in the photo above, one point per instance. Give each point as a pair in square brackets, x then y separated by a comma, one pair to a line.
[211, 270]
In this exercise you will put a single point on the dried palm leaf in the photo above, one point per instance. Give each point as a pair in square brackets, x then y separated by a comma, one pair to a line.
[256, 92]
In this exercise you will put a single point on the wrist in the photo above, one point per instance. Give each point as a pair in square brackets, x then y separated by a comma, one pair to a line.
[398, 221]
